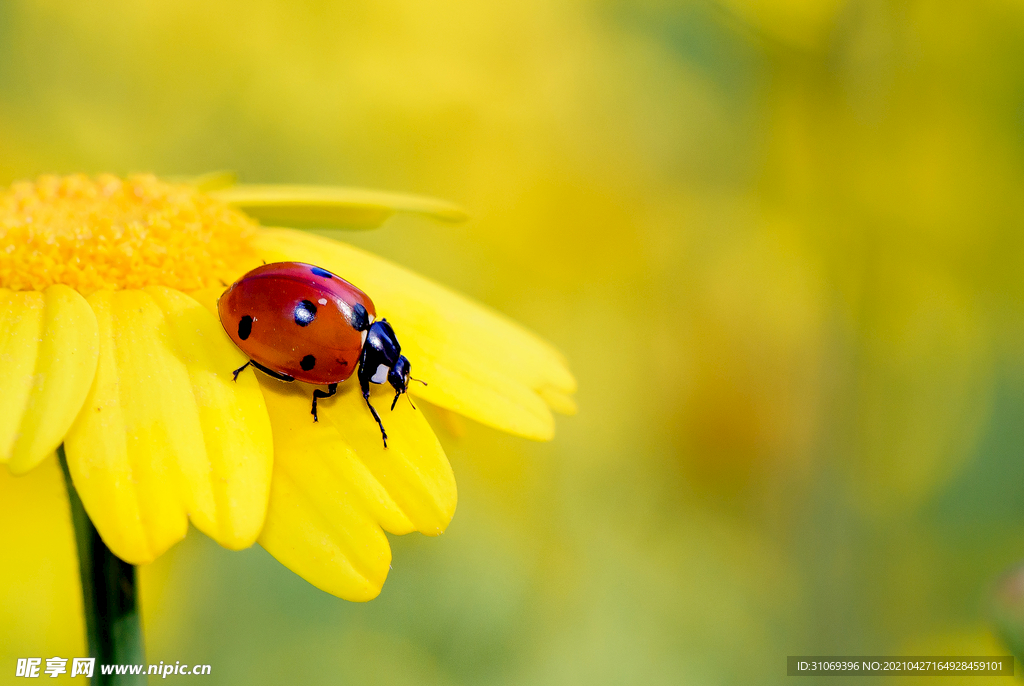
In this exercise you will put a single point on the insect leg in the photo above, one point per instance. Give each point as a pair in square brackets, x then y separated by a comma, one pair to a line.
[383, 434]
[239, 370]
[270, 372]
[332, 388]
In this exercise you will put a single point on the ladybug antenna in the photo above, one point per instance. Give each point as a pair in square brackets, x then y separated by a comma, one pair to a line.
[411, 402]
[420, 380]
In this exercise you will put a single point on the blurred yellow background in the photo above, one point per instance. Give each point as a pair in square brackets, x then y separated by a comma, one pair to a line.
[779, 242]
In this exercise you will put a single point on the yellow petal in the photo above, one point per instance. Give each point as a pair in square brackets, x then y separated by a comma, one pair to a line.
[21, 327]
[49, 350]
[561, 403]
[330, 206]
[212, 181]
[335, 486]
[452, 422]
[234, 485]
[476, 361]
[207, 297]
[165, 433]
[472, 386]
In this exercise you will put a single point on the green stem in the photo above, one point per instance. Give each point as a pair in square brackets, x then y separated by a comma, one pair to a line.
[112, 621]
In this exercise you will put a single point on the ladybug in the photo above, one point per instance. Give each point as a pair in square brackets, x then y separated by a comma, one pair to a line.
[296, 321]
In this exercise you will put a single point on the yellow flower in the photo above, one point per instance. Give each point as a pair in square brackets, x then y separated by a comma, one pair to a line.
[110, 344]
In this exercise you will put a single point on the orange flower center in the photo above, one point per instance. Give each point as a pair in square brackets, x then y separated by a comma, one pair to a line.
[111, 233]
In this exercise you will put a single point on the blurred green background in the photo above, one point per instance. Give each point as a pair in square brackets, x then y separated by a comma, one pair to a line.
[779, 242]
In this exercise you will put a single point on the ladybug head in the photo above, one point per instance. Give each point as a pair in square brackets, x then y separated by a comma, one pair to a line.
[399, 378]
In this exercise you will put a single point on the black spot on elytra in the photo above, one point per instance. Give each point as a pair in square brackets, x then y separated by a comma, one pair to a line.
[322, 272]
[244, 327]
[360, 318]
[305, 313]
[307, 362]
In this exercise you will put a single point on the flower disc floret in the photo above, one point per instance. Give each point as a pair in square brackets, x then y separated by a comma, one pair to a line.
[109, 233]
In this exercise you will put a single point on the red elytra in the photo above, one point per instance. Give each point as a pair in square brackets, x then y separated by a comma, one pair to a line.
[298, 320]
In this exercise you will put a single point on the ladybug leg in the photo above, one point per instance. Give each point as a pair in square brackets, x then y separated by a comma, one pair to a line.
[332, 388]
[383, 433]
[366, 372]
[270, 372]
[238, 371]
